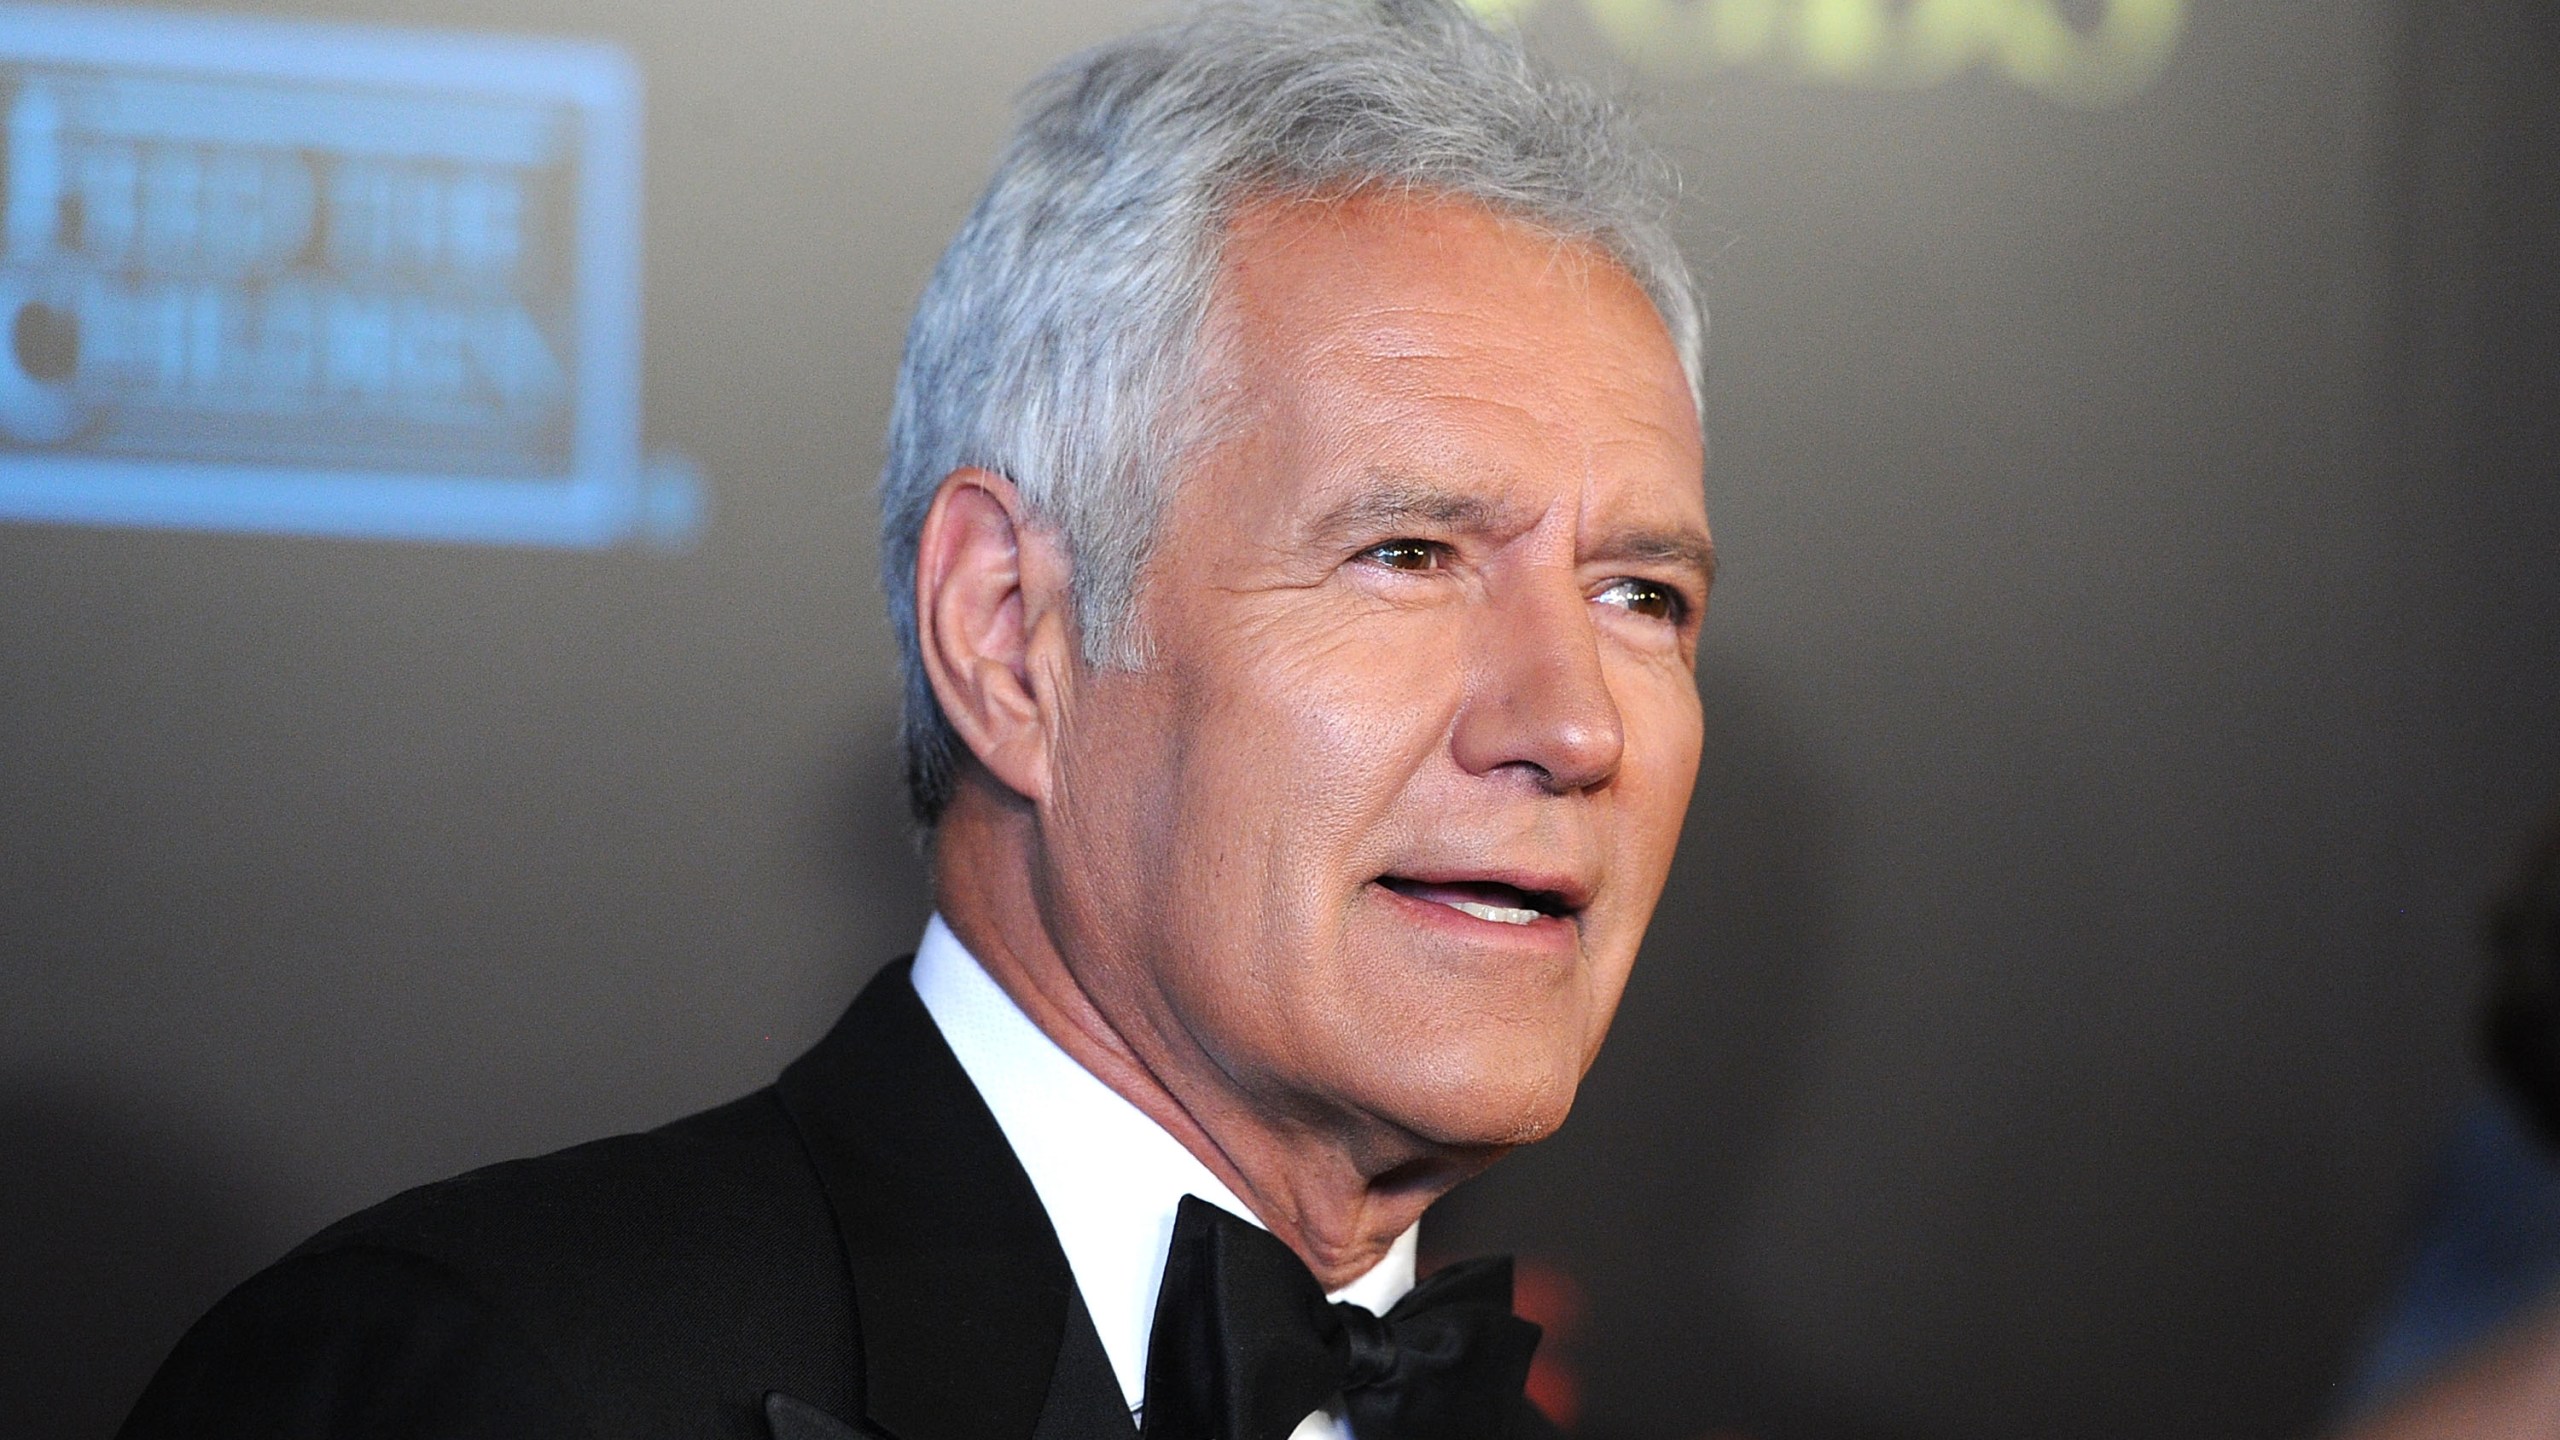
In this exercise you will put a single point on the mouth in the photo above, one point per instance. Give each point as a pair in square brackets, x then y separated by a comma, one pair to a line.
[1498, 902]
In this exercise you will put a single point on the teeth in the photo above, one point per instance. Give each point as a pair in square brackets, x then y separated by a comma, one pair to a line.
[1498, 914]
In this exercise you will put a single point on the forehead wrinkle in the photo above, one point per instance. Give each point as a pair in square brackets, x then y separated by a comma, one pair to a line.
[1639, 541]
[1501, 379]
[1399, 334]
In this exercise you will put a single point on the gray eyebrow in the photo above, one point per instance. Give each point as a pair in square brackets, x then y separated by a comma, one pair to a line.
[1664, 547]
[1390, 500]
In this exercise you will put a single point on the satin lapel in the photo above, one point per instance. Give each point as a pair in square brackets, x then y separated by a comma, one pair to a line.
[961, 1293]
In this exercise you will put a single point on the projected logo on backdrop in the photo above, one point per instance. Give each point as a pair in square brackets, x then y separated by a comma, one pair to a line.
[292, 277]
[2080, 52]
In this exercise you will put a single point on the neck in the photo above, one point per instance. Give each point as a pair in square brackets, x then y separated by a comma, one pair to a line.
[1336, 1189]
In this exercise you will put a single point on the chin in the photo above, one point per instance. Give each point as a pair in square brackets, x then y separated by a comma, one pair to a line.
[1486, 1102]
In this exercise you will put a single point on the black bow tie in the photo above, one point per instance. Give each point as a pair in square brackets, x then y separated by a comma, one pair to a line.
[1246, 1345]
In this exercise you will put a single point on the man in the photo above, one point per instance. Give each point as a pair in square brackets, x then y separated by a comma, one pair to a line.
[1294, 534]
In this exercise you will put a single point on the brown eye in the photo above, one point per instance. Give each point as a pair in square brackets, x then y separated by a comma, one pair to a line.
[1408, 554]
[1648, 598]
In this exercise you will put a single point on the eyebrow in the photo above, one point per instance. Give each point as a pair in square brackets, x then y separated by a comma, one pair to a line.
[1683, 548]
[1389, 501]
[1393, 500]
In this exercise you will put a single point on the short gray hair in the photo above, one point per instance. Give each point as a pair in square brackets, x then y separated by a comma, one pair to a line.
[1055, 341]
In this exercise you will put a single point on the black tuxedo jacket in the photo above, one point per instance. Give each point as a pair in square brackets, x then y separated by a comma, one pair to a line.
[852, 1251]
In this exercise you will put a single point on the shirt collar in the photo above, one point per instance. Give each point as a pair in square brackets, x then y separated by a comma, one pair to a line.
[1110, 1177]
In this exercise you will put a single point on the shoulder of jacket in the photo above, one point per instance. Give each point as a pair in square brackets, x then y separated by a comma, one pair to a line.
[696, 1260]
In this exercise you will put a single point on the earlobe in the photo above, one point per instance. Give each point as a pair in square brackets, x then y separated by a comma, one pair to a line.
[988, 596]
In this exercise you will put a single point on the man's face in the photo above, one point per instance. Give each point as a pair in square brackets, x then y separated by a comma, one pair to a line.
[1368, 841]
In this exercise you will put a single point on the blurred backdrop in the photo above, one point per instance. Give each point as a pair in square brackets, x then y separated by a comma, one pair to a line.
[445, 714]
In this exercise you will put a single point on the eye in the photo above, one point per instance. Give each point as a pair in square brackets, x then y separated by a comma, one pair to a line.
[1649, 598]
[1408, 555]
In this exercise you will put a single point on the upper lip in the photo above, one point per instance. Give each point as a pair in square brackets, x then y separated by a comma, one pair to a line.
[1554, 892]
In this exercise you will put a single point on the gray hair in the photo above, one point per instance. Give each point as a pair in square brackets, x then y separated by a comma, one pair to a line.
[1055, 341]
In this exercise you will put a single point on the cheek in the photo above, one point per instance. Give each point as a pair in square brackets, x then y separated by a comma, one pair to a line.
[1664, 733]
[1318, 740]
[1113, 801]
[1665, 726]
[1296, 767]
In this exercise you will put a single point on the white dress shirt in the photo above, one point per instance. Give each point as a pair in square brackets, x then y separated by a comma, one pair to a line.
[1109, 1177]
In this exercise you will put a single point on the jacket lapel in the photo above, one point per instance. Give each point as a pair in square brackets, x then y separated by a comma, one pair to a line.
[961, 1293]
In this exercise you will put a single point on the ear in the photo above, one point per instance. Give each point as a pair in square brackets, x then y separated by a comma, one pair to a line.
[992, 623]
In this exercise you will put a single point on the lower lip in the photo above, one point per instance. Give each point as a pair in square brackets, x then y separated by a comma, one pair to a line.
[1547, 932]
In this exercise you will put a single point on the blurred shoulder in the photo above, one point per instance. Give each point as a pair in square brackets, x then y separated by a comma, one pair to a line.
[647, 1284]
[731, 1177]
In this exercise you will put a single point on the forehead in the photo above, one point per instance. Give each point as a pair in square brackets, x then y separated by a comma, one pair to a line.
[1421, 336]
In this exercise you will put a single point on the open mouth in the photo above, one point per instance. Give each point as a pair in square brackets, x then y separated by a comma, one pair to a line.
[1484, 899]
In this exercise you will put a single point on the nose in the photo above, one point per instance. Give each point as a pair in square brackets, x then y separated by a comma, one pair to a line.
[1538, 701]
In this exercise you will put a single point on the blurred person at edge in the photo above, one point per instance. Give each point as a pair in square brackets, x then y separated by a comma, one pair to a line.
[1294, 531]
[2471, 1348]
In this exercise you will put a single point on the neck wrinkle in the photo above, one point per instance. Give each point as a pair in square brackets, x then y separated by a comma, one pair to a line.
[1306, 1186]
